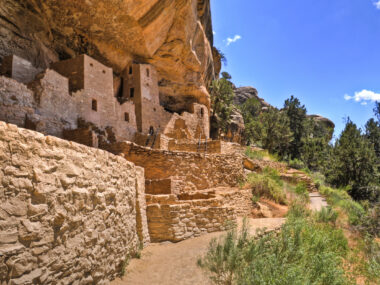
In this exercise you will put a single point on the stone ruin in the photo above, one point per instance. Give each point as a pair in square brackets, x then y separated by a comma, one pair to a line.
[80, 100]
[114, 171]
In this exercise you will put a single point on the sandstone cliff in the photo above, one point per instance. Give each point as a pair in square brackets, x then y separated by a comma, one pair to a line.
[173, 35]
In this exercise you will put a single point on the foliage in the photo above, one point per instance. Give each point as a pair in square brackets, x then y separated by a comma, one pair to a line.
[302, 191]
[327, 215]
[251, 110]
[276, 136]
[353, 161]
[315, 147]
[254, 154]
[303, 252]
[297, 117]
[222, 104]
[372, 133]
[124, 265]
[267, 185]
[223, 58]
[226, 75]
[376, 110]
[296, 163]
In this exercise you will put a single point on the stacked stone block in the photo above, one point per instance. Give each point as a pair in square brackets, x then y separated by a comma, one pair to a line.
[69, 214]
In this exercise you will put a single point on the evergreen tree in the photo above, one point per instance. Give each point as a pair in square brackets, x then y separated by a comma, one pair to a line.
[372, 133]
[276, 135]
[222, 96]
[315, 146]
[297, 117]
[353, 161]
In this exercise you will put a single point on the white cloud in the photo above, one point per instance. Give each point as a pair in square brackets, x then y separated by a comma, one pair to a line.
[213, 32]
[347, 97]
[363, 103]
[363, 96]
[377, 4]
[235, 39]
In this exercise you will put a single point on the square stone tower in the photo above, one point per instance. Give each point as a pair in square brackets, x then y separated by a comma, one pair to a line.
[140, 85]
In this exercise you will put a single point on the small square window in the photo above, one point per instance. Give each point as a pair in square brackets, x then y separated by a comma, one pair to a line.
[202, 112]
[130, 70]
[132, 92]
[147, 72]
[91, 64]
[94, 105]
[126, 117]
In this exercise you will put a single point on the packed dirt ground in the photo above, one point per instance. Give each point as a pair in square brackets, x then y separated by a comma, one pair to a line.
[176, 263]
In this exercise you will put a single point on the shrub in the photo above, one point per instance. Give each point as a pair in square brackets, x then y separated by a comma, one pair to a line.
[296, 164]
[303, 252]
[301, 190]
[326, 215]
[255, 199]
[263, 185]
[254, 154]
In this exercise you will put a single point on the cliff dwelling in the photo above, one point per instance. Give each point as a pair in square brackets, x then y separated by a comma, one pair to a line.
[165, 187]
[106, 150]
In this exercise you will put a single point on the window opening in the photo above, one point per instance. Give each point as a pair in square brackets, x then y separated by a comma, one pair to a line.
[94, 105]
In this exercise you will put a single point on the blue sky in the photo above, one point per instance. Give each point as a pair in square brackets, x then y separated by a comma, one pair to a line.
[325, 52]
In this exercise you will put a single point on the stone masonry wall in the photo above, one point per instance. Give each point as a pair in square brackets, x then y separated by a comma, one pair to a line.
[67, 211]
[170, 219]
[195, 171]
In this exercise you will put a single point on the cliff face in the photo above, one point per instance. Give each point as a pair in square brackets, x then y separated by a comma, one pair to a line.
[173, 35]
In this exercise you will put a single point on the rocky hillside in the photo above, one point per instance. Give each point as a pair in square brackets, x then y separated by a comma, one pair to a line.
[173, 35]
[242, 94]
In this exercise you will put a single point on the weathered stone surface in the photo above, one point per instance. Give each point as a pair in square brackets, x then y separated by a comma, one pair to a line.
[85, 228]
[324, 122]
[174, 35]
[242, 94]
[193, 171]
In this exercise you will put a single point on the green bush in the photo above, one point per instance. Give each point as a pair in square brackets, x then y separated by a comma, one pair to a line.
[274, 175]
[263, 185]
[326, 215]
[303, 252]
[302, 191]
[254, 154]
[296, 164]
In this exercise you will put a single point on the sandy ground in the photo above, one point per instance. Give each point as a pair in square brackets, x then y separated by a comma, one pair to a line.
[176, 263]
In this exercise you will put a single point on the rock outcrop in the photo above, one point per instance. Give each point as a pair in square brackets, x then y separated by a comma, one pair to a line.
[322, 120]
[173, 35]
[242, 94]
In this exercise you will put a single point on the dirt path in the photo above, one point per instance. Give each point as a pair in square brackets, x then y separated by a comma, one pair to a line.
[317, 202]
[176, 263]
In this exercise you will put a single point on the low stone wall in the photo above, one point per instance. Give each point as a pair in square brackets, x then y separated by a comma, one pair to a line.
[195, 171]
[170, 219]
[67, 212]
[239, 199]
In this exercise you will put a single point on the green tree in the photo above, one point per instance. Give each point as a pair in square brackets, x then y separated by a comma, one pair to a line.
[297, 117]
[250, 111]
[372, 133]
[222, 96]
[276, 135]
[353, 161]
[377, 111]
[226, 75]
[314, 151]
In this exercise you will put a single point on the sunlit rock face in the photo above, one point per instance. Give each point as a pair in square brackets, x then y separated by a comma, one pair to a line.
[173, 35]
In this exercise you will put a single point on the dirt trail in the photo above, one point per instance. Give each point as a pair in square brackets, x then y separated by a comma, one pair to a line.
[176, 263]
[317, 202]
